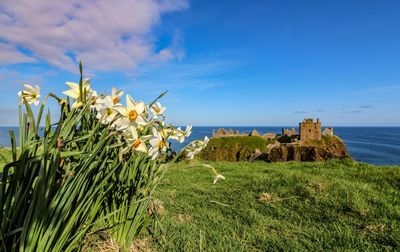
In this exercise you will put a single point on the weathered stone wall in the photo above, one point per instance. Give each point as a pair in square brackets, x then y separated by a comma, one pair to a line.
[310, 130]
[328, 132]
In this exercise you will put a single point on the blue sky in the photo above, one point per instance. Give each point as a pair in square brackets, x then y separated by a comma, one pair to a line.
[223, 62]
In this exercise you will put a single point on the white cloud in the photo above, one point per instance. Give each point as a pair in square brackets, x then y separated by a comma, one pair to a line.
[9, 54]
[106, 35]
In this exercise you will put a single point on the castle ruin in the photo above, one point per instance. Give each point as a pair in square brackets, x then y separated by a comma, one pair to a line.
[289, 132]
[310, 130]
[328, 132]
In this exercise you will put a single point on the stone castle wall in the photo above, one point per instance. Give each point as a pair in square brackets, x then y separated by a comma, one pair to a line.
[310, 130]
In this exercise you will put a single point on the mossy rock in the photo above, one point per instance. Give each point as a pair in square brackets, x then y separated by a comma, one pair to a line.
[329, 147]
[233, 148]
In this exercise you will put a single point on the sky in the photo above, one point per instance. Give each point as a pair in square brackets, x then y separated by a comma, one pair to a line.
[249, 63]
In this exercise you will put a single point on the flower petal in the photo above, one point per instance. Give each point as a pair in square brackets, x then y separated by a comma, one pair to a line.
[142, 147]
[130, 103]
[71, 93]
[72, 85]
[122, 110]
[133, 132]
[140, 107]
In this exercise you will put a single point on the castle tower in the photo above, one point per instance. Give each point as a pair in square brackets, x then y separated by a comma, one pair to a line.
[310, 130]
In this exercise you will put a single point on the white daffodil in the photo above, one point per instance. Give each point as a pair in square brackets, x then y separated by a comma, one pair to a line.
[157, 109]
[98, 104]
[30, 94]
[217, 178]
[158, 144]
[131, 115]
[203, 144]
[116, 95]
[180, 135]
[105, 110]
[166, 133]
[191, 152]
[195, 147]
[74, 93]
[135, 142]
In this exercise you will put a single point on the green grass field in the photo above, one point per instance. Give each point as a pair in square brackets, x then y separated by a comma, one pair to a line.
[332, 206]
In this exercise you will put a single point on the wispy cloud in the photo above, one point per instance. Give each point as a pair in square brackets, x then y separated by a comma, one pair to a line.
[198, 72]
[107, 35]
[366, 106]
[9, 54]
[351, 111]
[379, 89]
[300, 112]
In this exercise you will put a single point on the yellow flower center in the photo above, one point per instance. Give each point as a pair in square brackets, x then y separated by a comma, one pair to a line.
[109, 111]
[136, 143]
[115, 100]
[133, 115]
[161, 144]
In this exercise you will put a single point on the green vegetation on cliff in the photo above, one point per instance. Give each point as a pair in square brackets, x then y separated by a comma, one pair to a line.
[241, 148]
[237, 148]
[319, 206]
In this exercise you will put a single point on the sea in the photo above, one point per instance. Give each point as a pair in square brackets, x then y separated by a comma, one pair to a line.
[373, 145]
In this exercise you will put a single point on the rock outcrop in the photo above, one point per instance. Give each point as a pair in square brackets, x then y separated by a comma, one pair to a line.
[254, 133]
[252, 148]
[330, 147]
[269, 136]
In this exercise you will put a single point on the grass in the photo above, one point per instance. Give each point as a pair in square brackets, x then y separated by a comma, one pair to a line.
[237, 148]
[334, 206]
[4, 153]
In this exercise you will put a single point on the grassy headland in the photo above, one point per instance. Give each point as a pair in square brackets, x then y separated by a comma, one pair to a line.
[319, 206]
[334, 205]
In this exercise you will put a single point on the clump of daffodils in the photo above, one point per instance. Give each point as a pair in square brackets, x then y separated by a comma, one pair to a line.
[142, 127]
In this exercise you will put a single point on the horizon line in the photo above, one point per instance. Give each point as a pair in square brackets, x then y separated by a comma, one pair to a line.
[288, 125]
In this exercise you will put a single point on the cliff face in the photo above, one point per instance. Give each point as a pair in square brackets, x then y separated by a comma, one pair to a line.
[329, 147]
[284, 152]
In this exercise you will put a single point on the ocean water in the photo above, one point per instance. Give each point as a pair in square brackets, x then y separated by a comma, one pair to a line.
[373, 145]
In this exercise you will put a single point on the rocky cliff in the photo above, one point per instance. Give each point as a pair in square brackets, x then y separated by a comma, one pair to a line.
[335, 148]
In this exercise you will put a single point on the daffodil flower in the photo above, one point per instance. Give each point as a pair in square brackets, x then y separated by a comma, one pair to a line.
[74, 92]
[165, 133]
[105, 110]
[203, 144]
[180, 135]
[115, 95]
[30, 94]
[157, 109]
[135, 142]
[195, 147]
[158, 144]
[191, 152]
[131, 115]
